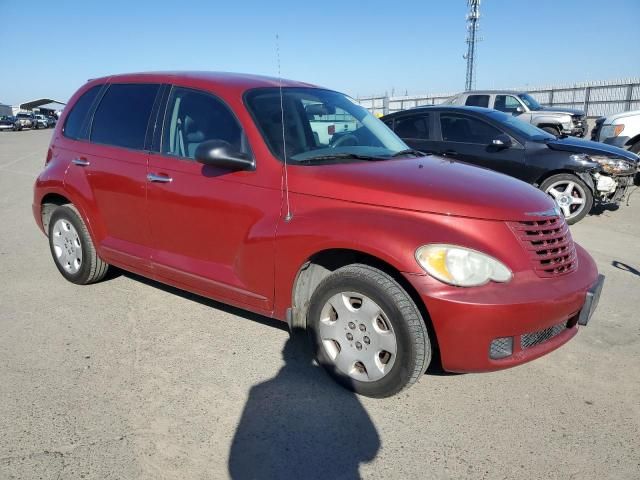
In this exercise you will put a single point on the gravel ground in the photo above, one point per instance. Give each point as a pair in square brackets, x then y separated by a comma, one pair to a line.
[131, 379]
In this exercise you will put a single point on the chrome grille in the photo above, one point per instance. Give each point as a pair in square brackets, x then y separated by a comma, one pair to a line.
[548, 244]
[529, 340]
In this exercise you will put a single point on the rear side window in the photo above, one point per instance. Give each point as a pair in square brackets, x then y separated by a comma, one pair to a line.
[460, 128]
[122, 117]
[77, 115]
[477, 101]
[194, 117]
[415, 126]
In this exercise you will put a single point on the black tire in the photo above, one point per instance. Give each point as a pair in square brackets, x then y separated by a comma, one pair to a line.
[552, 131]
[635, 148]
[413, 352]
[93, 268]
[568, 177]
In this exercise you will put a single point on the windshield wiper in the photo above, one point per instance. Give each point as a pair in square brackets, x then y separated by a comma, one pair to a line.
[409, 151]
[340, 156]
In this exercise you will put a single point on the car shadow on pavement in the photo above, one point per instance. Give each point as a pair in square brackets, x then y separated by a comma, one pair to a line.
[625, 267]
[300, 424]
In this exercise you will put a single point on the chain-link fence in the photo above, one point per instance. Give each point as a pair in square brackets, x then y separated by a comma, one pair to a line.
[596, 99]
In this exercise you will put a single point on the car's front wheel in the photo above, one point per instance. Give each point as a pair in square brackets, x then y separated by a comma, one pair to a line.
[552, 131]
[72, 248]
[367, 331]
[572, 195]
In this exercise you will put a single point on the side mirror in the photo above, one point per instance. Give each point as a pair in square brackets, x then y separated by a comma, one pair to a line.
[519, 110]
[221, 154]
[501, 142]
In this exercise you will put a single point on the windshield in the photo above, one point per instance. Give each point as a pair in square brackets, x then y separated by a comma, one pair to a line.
[523, 128]
[530, 102]
[320, 125]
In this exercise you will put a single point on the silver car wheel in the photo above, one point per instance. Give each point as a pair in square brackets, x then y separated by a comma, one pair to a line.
[66, 246]
[569, 196]
[357, 336]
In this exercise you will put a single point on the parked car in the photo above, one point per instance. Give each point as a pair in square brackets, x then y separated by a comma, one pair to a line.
[557, 121]
[9, 123]
[575, 172]
[26, 120]
[41, 121]
[621, 130]
[381, 253]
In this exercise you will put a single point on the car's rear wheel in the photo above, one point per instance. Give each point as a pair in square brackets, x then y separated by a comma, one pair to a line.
[367, 331]
[72, 248]
[572, 195]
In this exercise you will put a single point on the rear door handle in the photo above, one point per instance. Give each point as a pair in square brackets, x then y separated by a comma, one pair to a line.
[81, 162]
[154, 177]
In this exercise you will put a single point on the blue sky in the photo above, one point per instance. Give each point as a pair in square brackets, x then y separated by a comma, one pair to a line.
[358, 47]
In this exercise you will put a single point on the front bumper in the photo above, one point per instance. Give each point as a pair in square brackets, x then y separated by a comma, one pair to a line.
[575, 131]
[620, 141]
[527, 309]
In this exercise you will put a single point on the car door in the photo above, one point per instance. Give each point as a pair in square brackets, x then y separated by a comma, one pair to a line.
[110, 172]
[213, 229]
[470, 139]
[416, 131]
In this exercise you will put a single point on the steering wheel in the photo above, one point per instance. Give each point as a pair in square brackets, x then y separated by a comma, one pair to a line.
[342, 139]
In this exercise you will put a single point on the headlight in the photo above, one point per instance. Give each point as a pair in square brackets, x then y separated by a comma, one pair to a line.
[613, 165]
[609, 131]
[461, 266]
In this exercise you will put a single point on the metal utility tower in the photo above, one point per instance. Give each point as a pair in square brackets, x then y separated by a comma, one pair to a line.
[473, 18]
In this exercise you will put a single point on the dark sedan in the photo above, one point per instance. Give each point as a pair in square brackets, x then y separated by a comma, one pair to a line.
[9, 123]
[573, 171]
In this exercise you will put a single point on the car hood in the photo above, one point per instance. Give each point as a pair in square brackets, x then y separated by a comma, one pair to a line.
[618, 116]
[579, 145]
[427, 184]
[570, 111]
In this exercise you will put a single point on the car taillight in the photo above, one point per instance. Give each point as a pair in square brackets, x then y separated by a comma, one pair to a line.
[331, 129]
[49, 156]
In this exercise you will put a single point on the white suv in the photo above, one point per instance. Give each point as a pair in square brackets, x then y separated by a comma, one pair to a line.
[621, 130]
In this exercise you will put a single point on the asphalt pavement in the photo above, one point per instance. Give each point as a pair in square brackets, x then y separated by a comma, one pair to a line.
[129, 379]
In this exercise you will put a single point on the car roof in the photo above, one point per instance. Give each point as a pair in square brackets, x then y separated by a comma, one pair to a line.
[448, 108]
[491, 92]
[227, 79]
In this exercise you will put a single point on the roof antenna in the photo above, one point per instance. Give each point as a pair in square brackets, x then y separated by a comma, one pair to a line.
[285, 179]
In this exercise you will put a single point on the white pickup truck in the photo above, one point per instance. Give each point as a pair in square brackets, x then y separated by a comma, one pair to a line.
[621, 130]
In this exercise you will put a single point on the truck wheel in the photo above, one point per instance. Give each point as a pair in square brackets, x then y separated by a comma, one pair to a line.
[72, 249]
[552, 131]
[572, 195]
[635, 148]
[367, 332]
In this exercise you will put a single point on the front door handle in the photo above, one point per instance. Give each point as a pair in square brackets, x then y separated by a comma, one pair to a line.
[154, 177]
[81, 162]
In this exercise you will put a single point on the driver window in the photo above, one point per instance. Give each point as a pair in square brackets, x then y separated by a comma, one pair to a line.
[463, 129]
[193, 117]
[507, 103]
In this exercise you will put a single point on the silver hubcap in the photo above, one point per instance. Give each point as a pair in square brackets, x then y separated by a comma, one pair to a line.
[66, 246]
[569, 196]
[357, 336]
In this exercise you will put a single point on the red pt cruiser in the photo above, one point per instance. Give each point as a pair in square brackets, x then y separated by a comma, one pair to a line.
[294, 202]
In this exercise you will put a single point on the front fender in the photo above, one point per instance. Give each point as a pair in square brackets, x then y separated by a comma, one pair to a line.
[389, 234]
